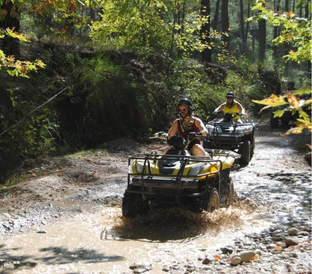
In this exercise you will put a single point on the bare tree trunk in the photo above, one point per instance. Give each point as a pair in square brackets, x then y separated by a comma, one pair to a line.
[242, 29]
[262, 37]
[216, 16]
[180, 19]
[294, 6]
[247, 24]
[276, 31]
[10, 46]
[205, 30]
[225, 22]
[307, 12]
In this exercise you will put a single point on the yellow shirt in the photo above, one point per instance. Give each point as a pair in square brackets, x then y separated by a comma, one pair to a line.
[233, 110]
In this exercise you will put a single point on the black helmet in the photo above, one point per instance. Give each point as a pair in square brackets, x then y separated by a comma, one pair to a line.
[230, 94]
[186, 102]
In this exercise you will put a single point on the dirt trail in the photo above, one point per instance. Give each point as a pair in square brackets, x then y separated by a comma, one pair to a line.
[67, 218]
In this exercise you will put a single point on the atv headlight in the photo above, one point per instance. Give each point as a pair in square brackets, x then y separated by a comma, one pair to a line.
[195, 170]
[139, 167]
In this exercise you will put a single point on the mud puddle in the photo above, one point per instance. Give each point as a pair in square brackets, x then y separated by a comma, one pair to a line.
[104, 242]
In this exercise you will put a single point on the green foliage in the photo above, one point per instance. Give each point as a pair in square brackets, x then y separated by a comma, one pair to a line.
[295, 31]
[17, 67]
[26, 130]
[291, 102]
[132, 25]
[131, 92]
[148, 27]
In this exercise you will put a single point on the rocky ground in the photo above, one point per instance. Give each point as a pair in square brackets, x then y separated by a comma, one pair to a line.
[276, 186]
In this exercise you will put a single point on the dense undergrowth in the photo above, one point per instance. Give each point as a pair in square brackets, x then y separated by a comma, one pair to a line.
[84, 98]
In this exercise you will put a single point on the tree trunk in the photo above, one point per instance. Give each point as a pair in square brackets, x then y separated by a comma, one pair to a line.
[10, 46]
[216, 16]
[242, 29]
[294, 6]
[205, 30]
[262, 36]
[307, 11]
[225, 22]
[247, 25]
[276, 31]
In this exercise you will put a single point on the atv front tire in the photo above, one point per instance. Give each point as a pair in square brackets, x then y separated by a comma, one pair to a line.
[226, 188]
[133, 205]
[213, 201]
[245, 153]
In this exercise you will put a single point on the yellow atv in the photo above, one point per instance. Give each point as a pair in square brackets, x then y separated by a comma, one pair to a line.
[173, 177]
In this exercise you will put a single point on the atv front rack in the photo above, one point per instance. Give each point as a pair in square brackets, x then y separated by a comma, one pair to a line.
[227, 135]
[182, 181]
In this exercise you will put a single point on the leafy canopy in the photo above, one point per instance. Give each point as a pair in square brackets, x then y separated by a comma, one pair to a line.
[296, 31]
[148, 26]
[17, 67]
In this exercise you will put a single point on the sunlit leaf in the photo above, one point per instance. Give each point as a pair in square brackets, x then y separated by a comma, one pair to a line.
[264, 108]
[293, 100]
[309, 146]
[273, 101]
[291, 14]
[294, 130]
[278, 113]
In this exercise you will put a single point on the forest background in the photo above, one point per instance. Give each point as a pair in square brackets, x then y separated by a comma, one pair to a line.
[76, 74]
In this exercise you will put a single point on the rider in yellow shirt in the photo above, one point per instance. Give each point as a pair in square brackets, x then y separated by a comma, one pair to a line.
[231, 106]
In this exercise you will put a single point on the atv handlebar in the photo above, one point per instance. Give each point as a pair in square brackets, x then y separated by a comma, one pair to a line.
[160, 135]
[222, 112]
[163, 135]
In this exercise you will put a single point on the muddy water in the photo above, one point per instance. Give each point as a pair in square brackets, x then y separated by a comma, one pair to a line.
[93, 237]
[105, 242]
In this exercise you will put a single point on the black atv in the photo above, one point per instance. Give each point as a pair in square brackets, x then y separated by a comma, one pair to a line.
[225, 133]
[173, 177]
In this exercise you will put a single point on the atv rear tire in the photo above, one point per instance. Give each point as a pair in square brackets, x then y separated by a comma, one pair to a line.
[214, 201]
[133, 205]
[245, 153]
[253, 145]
